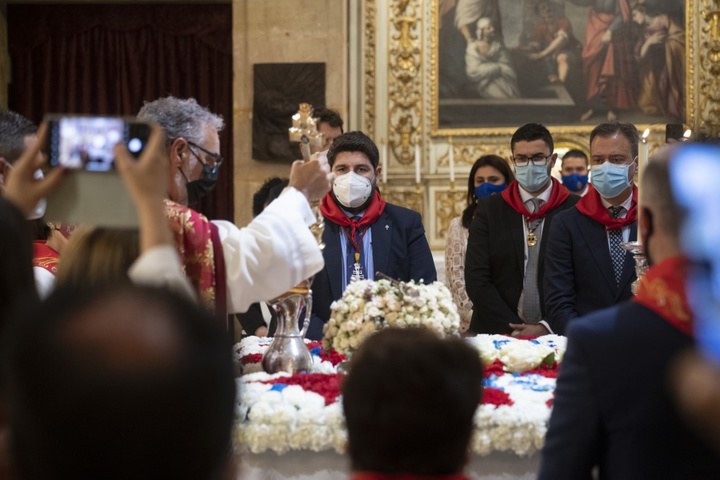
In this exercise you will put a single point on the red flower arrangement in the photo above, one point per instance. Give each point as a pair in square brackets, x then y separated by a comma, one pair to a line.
[495, 396]
[327, 386]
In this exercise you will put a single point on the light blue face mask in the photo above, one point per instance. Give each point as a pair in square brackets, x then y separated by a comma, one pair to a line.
[610, 179]
[532, 177]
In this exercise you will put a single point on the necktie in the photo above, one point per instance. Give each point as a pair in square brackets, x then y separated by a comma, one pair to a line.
[352, 272]
[531, 295]
[617, 253]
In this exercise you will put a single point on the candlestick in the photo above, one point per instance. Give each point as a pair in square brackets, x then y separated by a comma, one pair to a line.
[643, 149]
[452, 161]
[417, 163]
[384, 161]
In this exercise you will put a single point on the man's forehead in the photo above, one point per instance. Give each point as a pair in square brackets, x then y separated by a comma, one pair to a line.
[616, 144]
[352, 158]
[533, 146]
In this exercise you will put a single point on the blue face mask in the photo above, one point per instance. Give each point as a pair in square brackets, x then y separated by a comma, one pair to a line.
[610, 179]
[532, 177]
[486, 189]
[575, 182]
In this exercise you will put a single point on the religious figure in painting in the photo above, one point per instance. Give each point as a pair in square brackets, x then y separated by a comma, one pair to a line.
[554, 42]
[468, 12]
[607, 57]
[487, 63]
[660, 52]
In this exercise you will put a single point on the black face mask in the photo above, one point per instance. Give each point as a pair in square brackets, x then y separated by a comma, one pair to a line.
[202, 186]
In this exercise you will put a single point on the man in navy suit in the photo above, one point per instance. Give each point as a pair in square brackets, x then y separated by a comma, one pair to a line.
[613, 408]
[586, 269]
[364, 234]
[508, 239]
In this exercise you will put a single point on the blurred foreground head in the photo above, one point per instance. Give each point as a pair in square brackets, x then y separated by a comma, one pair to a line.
[409, 402]
[124, 384]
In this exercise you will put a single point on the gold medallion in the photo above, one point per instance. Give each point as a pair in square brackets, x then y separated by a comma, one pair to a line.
[531, 239]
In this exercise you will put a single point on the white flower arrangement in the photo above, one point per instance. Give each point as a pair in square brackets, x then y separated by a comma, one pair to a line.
[296, 419]
[367, 306]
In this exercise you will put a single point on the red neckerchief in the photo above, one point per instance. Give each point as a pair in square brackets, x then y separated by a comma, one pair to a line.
[45, 257]
[332, 212]
[403, 476]
[591, 206]
[512, 197]
[662, 290]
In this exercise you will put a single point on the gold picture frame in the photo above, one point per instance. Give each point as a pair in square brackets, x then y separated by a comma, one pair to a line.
[438, 90]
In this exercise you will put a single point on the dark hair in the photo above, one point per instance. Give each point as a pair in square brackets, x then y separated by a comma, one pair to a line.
[81, 411]
[13, 130]
[354, 142]
[277, 190]
[409, 403]
[498, 163]
[331, 117]
[531, 132]
[575, 153]
[17, 283]
[260, 198]
[610, 129]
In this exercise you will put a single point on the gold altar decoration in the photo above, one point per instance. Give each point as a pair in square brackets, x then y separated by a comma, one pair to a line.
[405, 78]
[465, 154]
[709, 108]
[369, 62]
[448, 205]
[406, 196]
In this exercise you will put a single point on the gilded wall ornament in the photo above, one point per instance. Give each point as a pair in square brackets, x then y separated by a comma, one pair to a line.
[369, 62]
[405, 78]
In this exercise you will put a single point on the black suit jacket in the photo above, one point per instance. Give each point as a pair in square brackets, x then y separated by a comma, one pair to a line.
[494, 263]
[400, 250]
[579, 276]
[612, 405]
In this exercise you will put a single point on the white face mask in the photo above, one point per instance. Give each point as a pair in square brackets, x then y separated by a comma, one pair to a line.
[352, 190]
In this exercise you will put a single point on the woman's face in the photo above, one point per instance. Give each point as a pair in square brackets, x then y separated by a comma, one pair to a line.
[490, 175]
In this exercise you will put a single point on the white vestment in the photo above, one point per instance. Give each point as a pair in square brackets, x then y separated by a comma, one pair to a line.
[275, 252]
[491, 71]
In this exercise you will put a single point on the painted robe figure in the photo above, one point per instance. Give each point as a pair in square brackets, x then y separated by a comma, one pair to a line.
[487, 63]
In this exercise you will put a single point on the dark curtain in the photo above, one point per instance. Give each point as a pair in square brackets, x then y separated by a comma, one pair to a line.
[109, 59]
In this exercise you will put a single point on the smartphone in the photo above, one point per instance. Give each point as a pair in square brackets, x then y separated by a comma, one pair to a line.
[674, 131]
[694, 171]
[83, 142]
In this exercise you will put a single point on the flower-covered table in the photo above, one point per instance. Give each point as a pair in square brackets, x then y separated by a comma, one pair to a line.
[292, 426]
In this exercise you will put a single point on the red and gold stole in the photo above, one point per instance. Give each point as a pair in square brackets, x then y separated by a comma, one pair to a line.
[45, 257]
[662, 290]
[198, 244]
[512, 196]
[591, 206]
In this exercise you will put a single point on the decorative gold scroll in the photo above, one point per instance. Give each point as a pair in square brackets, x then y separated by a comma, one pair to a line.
[709, 103]
[448, 205]
[408, 197]
[405, 78]
[369, 100]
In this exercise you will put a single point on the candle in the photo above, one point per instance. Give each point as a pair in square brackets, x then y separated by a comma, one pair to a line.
[686, 135]
[384, 160]
[417, 163]
[643, 153]
[452, 161]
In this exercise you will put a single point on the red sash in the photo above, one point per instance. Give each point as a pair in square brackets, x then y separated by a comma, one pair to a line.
[332, 212]
[45, 257]
[512, 197]
[198, 244]
[591, 206]
[403, 476]
[662, 290]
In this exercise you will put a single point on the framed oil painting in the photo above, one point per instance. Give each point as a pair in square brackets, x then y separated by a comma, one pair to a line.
[571, 63]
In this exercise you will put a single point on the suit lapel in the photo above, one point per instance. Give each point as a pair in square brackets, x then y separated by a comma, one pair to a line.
[596, 239]
[333, 257]
[381, 240]
[517, 236]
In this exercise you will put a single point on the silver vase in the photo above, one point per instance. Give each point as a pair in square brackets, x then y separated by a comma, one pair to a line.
[288, 352]
[641, 263]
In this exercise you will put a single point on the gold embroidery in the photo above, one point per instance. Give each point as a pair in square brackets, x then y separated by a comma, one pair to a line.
[669, 301]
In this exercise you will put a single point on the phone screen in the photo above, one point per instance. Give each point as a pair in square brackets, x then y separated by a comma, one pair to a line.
[693, 172]
[83, 142]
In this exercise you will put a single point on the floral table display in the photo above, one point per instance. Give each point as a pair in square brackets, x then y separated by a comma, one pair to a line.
[367, 306]
[284, 412]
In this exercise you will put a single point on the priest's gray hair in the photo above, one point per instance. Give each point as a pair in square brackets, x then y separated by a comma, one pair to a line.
[180, 117]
